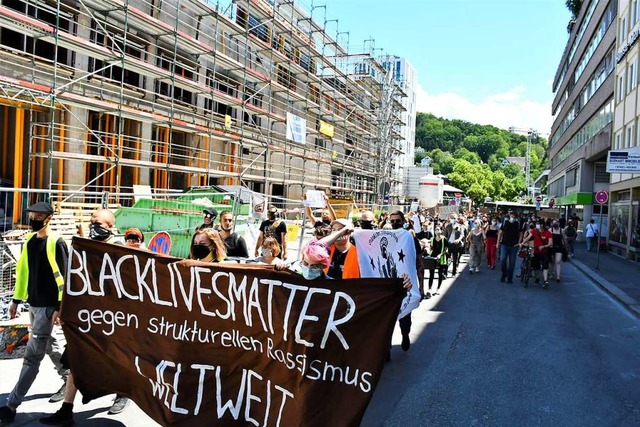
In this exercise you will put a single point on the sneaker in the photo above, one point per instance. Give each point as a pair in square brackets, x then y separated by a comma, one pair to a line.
[7, 415]
[477, 269]
[63, 417]
[471, 270]
[406, 343]
[119, 403]
[58, 395]
[537, 281]
[545, 285]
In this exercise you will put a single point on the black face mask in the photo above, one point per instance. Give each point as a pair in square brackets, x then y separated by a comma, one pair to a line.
[271, 215]
[326, 221]
[366, 225]
[396, 225]
[36, 224]
[201, 251]
[98, 232]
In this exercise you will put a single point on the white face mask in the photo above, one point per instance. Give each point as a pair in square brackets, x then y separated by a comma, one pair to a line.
[310, 273]
[266, 252]
[537, 226]
[493, 222]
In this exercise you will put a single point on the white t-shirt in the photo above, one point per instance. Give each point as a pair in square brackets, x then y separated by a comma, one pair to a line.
[416, 223]
[591, 230]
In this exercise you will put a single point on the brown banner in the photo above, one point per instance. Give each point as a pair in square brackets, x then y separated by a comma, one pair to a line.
[225, 344]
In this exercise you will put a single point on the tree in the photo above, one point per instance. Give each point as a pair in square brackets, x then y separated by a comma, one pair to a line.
[574, 7]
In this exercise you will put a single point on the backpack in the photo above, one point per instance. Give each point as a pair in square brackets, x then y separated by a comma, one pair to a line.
[570, 232]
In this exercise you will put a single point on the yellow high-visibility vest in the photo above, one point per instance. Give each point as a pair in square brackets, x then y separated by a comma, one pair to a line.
[22, 268]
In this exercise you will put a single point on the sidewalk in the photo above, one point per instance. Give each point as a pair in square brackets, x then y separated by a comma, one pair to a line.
[617, 276]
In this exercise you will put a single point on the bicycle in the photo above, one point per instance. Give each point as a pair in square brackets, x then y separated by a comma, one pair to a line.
[525, 268]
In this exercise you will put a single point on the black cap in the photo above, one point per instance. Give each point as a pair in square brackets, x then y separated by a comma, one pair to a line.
[211, 211]
[41, 207]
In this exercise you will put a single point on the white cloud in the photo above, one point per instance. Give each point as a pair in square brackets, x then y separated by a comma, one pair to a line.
[502, 110]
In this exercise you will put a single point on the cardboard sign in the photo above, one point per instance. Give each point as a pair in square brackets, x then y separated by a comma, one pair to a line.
[197, 344]
[315, 199]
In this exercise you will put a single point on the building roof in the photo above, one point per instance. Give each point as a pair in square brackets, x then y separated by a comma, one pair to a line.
[520, 161]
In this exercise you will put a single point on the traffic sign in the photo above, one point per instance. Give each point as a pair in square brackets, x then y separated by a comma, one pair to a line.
[602, 197]
[552, 202]
[160, 243]
[538, 198]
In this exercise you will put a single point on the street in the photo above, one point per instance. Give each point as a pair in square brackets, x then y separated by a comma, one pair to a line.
[494, 354]
[483, 353]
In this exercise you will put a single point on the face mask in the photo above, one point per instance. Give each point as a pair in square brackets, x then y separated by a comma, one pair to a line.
[326, 221]
[452, 221]
[201, 251]
[266, 252]
[438, 232]
[36, 225]
[396, 225]
[366, 225]
[493, 222]
[98, 232]
[310, 273]
[271, 215]
[512, 219]
[537, 226]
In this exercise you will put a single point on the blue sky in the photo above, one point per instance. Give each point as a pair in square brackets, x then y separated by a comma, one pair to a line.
[485, 61]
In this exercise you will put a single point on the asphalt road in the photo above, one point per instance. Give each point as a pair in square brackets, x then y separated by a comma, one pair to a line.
[486, 353]
[483, 353]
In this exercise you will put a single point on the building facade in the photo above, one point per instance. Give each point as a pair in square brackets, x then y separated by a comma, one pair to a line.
[583, 109]
[624, 204]
[405, 75]
[104, 95]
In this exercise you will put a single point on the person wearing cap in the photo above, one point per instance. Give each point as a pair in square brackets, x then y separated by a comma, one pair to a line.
[102, 222]
[134, 238]
[40, 276]
[274, 228]
[210, 214]
[342, 253]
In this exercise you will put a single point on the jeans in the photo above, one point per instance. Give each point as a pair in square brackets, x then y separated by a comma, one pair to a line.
[508, 254]
[39, 344]
[591, 241]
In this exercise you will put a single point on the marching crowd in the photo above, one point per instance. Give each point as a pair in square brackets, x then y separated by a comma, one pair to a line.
[439, 244]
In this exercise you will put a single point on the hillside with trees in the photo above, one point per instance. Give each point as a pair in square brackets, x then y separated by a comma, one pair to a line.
[473, 156]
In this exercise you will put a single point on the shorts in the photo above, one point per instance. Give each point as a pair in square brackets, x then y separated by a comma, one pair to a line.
[540, 260]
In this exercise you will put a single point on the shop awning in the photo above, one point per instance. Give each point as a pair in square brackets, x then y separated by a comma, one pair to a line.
[575, 199]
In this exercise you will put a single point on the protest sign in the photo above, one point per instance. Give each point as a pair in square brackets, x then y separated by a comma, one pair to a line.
[389, 253]
[197, 343]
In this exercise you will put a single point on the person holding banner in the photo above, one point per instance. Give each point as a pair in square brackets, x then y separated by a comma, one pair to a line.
[102, 222]
[39, 280]
[207, 246]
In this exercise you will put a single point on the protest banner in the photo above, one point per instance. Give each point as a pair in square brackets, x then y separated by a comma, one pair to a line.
[197, 343]
[389, 253]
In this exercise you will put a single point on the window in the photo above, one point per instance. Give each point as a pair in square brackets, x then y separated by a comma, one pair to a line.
[632, 79]
[570, 177]
[621, 94]
[46, 12]
[634, 12]
[116, 42]
[286, 78]
[178, 94]
[618, 143]
[623, 30]
[628, 142]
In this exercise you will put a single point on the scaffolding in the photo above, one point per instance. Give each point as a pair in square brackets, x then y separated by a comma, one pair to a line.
[102, 95]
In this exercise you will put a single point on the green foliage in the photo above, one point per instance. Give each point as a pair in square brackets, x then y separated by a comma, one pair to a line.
[574, 7]
[472, 156]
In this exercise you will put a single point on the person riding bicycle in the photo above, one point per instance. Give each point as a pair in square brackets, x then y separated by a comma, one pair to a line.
[542, 240]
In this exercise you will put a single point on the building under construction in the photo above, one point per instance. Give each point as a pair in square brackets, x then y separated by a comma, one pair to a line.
[102, 95]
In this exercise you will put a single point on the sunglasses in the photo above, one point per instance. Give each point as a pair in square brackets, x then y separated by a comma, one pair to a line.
[396, 221]
[132, 237]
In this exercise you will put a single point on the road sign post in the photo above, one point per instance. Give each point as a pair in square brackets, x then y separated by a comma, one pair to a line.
[602, 197]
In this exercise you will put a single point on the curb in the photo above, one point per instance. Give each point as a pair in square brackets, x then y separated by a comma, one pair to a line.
[631, 304]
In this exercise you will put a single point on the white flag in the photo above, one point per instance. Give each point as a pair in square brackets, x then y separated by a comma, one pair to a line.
[389, 253]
